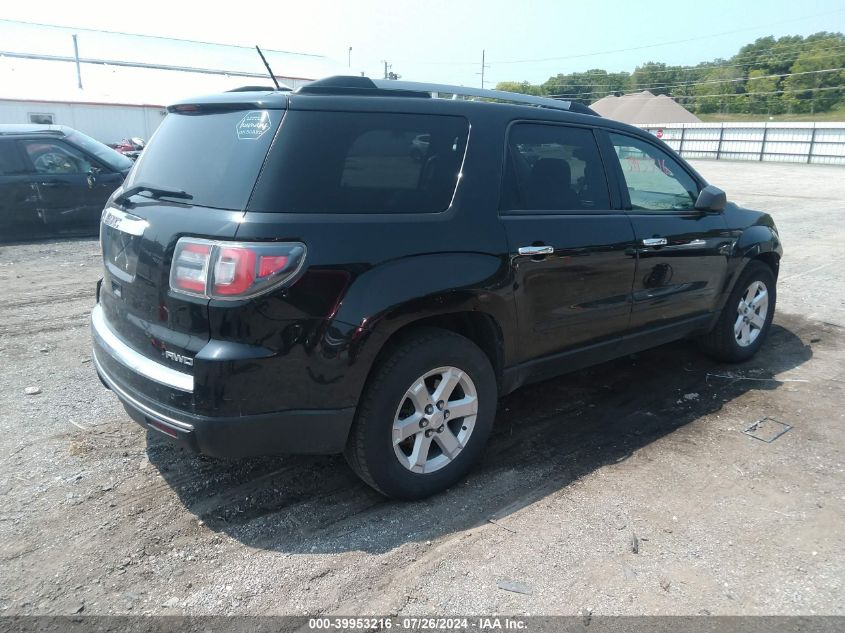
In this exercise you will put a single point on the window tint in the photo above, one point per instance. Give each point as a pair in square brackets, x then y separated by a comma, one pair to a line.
[56, 158]
[656, 182]
[10, 161]
[214, 156]
[553, 167]
[356, 162]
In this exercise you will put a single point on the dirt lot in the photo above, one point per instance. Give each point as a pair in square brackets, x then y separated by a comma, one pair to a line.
[100, 517]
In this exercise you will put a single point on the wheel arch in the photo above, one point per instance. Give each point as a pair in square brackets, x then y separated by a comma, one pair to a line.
[465, 293]
[757, 243]
[479, 327]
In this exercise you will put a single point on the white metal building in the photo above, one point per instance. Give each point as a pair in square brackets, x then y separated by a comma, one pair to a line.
[113, 86]
[107, 122]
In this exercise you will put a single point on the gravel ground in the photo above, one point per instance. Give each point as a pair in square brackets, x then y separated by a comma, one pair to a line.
[628, 488]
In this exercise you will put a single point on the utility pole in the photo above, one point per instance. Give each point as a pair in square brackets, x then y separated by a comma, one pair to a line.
[76, 56]
[349, 58]
[388, 72]
[484, 67]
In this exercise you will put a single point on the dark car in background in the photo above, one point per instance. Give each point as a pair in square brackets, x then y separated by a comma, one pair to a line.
[54, 180]
[311, 285]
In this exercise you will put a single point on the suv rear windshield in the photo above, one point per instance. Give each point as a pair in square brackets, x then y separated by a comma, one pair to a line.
[358, 162]
[214, 156]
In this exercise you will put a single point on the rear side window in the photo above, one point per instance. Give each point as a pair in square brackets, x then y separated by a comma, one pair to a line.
[553, 168]
[358, 162]
[214, 156]
[10, 161]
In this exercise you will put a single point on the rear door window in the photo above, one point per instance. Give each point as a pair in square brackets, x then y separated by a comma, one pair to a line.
[214, 156]
[11, 163]
[355, 162]
[553, 168]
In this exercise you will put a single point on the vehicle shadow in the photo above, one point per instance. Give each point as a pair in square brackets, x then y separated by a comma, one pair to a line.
[546, 436]
[47, 239]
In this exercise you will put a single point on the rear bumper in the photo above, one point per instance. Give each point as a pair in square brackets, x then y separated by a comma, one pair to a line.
[306, 431]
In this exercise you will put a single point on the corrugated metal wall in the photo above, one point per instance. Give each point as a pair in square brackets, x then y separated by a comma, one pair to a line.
[105, 122]
[817, 143]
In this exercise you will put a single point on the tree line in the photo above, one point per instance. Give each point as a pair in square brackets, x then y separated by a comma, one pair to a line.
[790, 74]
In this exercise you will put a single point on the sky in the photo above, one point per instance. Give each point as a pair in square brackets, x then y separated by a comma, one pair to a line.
[442, 40]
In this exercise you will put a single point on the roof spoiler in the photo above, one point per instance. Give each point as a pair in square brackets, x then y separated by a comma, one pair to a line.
[354, 85]
[281, 87]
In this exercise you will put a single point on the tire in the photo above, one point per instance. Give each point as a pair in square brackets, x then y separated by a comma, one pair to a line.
[724, 342]
[390, 410]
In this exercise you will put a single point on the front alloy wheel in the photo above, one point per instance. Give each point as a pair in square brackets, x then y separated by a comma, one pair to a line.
[752, 310]
[746, 317]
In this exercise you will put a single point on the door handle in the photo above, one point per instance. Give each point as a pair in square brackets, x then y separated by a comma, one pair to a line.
[533, 251]
[655, 241]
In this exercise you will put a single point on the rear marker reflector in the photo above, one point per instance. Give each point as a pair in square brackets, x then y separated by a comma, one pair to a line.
[163, 428]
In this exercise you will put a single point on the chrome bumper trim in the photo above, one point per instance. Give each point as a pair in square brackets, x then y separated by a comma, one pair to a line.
[152, 413]
[131, 359]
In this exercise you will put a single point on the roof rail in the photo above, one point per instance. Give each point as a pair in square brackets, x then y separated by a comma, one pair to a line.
[500, 95]
[23, 131]
[355, 85]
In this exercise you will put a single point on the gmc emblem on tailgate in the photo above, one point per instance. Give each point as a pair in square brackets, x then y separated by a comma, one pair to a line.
[185, 360]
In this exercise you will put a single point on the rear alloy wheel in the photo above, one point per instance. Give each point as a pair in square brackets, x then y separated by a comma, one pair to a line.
[435, 420]
[425, 415]
[746, 317]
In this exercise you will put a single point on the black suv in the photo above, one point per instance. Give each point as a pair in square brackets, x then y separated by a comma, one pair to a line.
[363, 267]
[54, 180]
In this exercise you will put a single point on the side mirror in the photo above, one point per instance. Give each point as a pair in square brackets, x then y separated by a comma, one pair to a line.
[711, 199]
[91, 177]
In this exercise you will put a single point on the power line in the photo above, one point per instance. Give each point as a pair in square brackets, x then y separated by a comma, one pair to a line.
[780, 48]
[828, 52]
[683, 41]
[662, 84]
[704, 83]
[719, 96]
[668, 43]
[155, 37]
[832, 51]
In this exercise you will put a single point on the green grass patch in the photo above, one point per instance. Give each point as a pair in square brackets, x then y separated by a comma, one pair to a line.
[836, 115]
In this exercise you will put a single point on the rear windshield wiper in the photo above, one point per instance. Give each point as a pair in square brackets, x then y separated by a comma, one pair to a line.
[157, 192]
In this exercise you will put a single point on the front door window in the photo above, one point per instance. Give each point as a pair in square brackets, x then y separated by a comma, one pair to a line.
[655, 180]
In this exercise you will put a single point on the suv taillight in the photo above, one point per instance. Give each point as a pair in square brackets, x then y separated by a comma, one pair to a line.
[233, 270]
